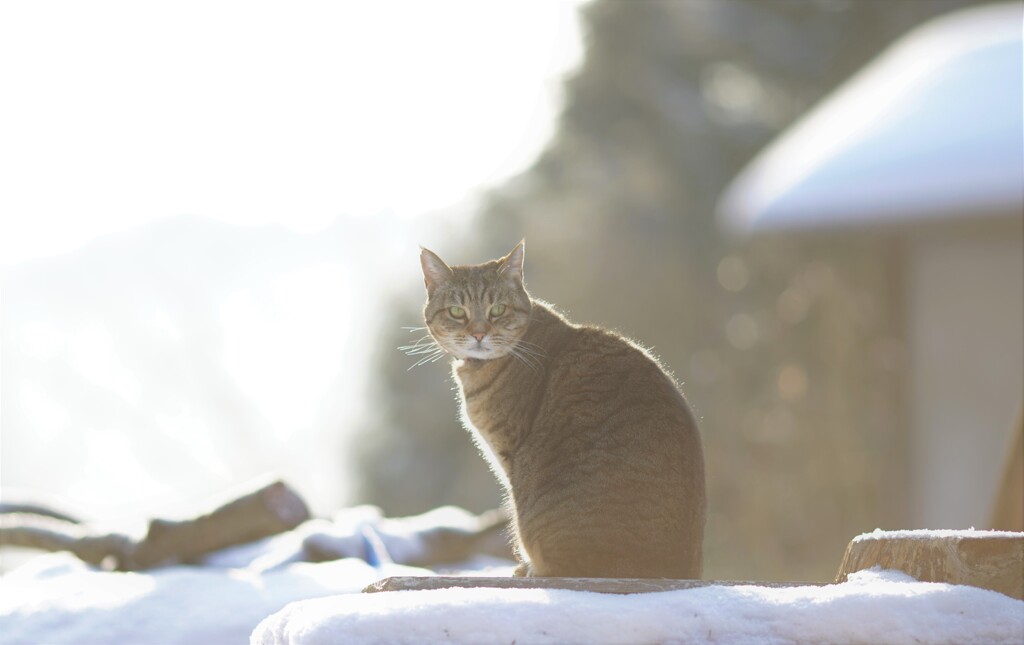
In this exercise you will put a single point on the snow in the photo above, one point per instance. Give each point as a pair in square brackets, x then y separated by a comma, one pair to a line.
[56, 599]
[357, 532]
[872, 607]
[928, 534]
[264, 593]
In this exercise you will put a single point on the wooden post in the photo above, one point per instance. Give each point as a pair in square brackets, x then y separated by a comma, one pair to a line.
[987, 559]
[1008, 511]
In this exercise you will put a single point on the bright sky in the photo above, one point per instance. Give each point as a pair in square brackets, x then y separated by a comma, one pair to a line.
[116, 113]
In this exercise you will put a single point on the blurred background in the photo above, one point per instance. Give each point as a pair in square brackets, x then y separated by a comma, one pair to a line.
[810, 209]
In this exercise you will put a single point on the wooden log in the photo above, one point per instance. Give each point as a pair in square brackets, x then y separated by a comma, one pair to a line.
[987, 559]
[48, 533]
[270, 510]
[9, 508]
[597, 585]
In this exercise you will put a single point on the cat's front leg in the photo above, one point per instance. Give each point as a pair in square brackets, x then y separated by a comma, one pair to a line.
[523, 571]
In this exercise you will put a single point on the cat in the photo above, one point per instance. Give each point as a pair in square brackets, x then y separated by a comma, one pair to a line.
[596, 448]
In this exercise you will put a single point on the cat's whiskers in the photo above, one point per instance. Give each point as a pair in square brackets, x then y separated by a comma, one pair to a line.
[429, 358]
[526, 356]
[430, 354]
[420, 346]
[413, 350]
[530, 348]
[424, 346]
[525, 359]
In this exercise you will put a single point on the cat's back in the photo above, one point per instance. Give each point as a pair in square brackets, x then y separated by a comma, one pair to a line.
[603, 372]
[613, 429]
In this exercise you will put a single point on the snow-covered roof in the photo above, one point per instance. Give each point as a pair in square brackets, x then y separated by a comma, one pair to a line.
[932, 129]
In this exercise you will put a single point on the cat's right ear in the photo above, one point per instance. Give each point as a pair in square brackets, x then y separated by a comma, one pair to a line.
[435, 271]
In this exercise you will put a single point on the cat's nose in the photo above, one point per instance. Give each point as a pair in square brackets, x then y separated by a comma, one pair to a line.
[479, 337]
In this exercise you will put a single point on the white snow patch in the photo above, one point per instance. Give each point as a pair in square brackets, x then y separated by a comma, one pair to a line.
[56, 599]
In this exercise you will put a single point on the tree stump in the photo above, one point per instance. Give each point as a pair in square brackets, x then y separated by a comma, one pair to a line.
[987, 559]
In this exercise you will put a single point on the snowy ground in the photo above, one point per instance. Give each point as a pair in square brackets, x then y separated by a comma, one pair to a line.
[262, 591]
[57, 600]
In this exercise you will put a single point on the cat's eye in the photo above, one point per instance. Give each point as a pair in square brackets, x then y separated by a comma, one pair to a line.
[497, 310]
[457, 312]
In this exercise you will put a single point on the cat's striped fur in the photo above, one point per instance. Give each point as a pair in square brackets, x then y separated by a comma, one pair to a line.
[596, 447]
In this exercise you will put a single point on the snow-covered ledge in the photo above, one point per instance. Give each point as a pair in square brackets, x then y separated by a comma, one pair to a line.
[872, 606]
[950, 599]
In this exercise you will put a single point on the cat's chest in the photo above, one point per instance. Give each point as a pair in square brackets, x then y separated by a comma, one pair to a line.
[490, 407]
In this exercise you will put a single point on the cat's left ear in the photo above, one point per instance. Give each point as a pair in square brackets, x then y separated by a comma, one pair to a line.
[512, 264]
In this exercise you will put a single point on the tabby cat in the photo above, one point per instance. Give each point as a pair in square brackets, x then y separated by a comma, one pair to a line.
[596, 447]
